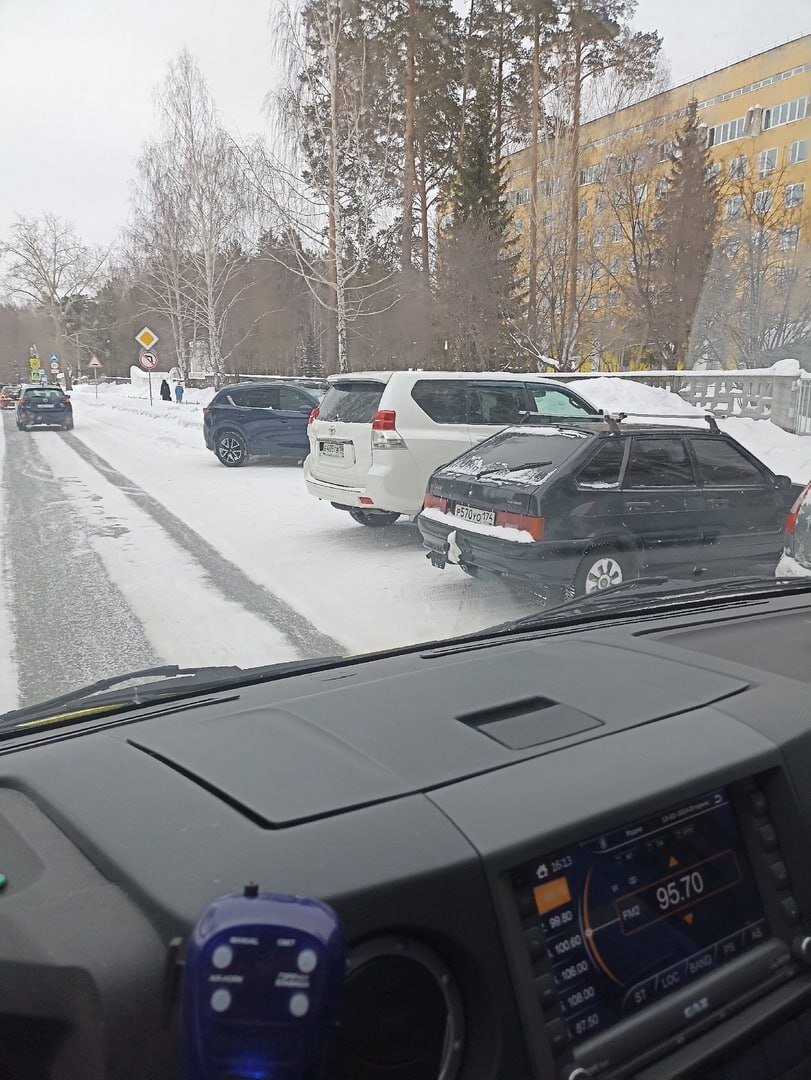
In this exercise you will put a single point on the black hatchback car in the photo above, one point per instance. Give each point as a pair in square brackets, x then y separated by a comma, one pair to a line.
[258, 419]
[43, 406]
[594, 504]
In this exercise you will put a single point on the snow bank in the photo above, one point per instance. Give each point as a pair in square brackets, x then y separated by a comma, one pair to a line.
[623, 395]
[786, 454]
[8, 666]
[159, 420]
[788, 567]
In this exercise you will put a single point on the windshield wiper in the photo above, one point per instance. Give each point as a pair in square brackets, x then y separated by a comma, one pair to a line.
[668, 591]
[512, 468]
[102, 697]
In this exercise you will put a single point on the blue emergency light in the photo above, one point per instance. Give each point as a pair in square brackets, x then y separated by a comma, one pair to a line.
[260, 990]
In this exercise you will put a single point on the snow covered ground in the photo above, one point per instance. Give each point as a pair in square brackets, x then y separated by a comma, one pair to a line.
[217, 565]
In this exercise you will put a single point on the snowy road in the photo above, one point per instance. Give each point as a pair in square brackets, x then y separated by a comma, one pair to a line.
[126, 544]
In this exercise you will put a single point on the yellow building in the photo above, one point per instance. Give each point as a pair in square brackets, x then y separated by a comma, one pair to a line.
[757, 113]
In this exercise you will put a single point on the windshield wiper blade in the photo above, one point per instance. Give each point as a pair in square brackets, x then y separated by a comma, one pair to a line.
[618, 598]
[103, 697]
[512, 468]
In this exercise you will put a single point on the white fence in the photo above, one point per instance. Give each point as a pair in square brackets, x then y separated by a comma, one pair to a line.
[785, 399]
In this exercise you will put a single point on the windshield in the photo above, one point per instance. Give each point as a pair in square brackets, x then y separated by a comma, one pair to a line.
[368, 325]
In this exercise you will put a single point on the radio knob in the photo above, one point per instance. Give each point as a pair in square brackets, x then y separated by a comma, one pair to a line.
[801, 948]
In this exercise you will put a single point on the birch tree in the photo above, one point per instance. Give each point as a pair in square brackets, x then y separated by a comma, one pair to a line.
[50, 267]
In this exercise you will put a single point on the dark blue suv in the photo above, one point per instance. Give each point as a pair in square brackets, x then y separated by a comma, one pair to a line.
[258, 419]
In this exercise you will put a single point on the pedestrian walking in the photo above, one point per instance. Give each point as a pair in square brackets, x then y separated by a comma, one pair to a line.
[166, 393]
[178, 391]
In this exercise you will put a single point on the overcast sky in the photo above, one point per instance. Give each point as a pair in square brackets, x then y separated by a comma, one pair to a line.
[77, 79]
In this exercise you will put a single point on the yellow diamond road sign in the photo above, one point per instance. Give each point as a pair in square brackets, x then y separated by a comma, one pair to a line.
[146, 338]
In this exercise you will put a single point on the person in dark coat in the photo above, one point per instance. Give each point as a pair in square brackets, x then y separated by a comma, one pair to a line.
[166, 393]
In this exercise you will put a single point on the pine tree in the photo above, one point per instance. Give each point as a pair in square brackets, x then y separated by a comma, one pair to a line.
[477, 290]
[479, 186]
[683, 234]
[312, 363]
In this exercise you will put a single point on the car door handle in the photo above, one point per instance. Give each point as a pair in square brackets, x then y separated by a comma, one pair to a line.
[639, 505]
[716, 502]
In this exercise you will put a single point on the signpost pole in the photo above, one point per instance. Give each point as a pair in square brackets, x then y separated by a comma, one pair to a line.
[149, 377]
[96, 382]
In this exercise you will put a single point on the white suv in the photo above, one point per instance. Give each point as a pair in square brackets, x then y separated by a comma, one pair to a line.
[378, 435]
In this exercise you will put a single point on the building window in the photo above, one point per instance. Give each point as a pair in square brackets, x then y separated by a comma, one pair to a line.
[711, 173]
[662, 187]
[581, 242]
[614, 265]
[594, 303]
[767, 161]
[613, 298]
[601, 203]
[616, 232]
[599, 237]
[786, 113]
[763, 201]
[789, 238]
[760, 241]
[544, 189]
[522, 197]
[547, 218]
[640, 193]
[734, 206]
[591, 174]
[724, 133]
[785, 278]
[667, 149]
[582, 209]
[518, 225]
[798, 152]
[795, 194]
[738, 167]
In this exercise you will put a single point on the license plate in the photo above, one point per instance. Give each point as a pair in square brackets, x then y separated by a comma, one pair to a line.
[476, 516]
[46, 406]
[332, 449]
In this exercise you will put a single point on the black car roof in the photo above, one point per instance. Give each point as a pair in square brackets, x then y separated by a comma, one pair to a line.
[261, 383]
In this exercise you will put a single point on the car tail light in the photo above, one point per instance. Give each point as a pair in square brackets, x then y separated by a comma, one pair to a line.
[313, 415]
[205, 410]
[384, 431]
[535, 526]
[434, 502]
[365, 500]
[66, 401]
[793, 514]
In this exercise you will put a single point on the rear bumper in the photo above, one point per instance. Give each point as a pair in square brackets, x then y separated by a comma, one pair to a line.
[539, 561]
[46, 420]
[351, 495]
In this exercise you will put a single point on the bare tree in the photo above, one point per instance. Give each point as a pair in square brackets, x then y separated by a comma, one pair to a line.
[191, 216]
[49, 266]
[328, 191]
[756, 300]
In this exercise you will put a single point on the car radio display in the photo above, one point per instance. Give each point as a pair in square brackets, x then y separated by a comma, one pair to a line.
[636, 913]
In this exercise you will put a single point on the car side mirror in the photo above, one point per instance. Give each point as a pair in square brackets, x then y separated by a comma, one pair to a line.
[782, 483]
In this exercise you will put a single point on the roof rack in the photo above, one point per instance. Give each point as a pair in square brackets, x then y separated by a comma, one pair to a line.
[615, 419]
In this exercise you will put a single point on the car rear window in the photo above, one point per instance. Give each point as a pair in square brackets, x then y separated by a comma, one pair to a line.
[45, 395]
[522, 456]
[353, 401]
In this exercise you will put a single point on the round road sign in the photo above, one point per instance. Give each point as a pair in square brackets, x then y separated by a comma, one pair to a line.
[148, 361]
[54, 365]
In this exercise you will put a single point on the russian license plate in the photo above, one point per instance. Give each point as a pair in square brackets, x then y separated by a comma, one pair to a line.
[332, 449]
[474, 515]
[45, 406]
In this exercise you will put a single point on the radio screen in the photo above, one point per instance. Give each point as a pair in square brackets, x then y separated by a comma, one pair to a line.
[634, 914]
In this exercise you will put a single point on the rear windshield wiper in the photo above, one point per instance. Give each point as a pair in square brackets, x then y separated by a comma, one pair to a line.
[104, 696]
[512, 468]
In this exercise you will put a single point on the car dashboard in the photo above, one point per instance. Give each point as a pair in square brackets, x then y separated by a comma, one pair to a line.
[553, 855]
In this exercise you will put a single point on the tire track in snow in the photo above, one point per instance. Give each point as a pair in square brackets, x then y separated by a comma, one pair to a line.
[227, 578]
[69, 621]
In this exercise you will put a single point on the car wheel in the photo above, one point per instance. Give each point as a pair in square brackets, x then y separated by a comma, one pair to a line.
[374, 518]
[231, 449]
[602, 567]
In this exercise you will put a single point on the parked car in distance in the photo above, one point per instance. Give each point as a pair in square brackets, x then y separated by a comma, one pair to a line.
[8, 396]
[594, 505]
[796, 558]
[258, 419]
[44, 406]
[377, 436]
